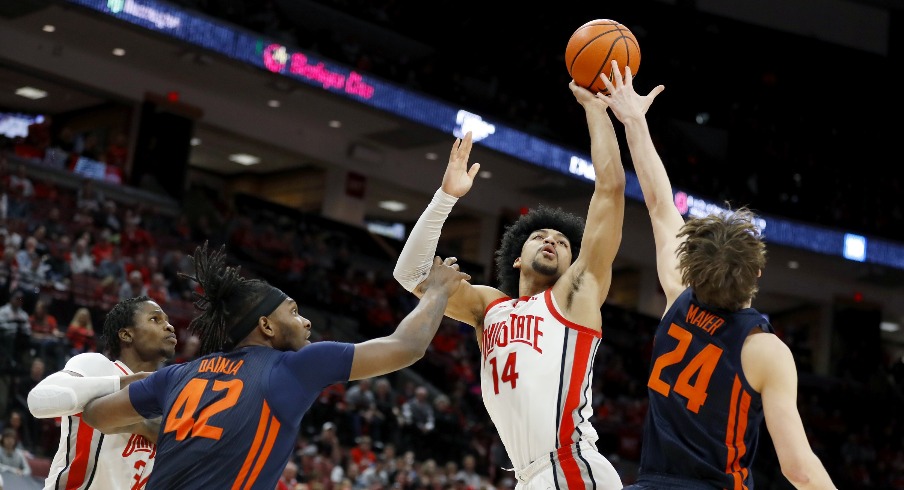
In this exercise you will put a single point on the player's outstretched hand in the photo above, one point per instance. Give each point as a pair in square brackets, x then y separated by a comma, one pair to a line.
[624, 101]
[445, 276]
[458, 178]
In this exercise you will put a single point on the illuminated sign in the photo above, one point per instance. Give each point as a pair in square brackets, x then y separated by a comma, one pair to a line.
[159, 18]
[854, 247]
[466, 121]
[277, 59]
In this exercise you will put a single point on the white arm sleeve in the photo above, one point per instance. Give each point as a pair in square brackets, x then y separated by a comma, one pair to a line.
[417, 255]
[62, 394]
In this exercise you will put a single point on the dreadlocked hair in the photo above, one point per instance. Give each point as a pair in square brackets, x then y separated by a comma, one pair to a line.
[721, 258]
[516, 234]
[225, 298]
[120, 316]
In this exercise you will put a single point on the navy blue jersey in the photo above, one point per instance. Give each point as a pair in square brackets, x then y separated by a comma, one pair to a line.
[230, 420]
[704, 418]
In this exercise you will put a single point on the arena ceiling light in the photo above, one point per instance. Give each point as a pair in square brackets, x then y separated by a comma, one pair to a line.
[31, 93]
[394, 206]
[244, 159]
[48, 28]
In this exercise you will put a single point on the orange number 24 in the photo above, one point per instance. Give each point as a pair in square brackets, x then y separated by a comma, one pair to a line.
[703, 365]
[181, 416]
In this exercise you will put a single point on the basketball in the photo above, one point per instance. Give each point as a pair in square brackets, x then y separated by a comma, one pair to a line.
[593, 46]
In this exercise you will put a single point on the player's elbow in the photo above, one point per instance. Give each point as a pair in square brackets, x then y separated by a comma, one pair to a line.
[800, 471]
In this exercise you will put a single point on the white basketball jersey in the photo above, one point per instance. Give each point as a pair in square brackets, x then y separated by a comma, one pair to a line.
[536, 372]
[87, 458]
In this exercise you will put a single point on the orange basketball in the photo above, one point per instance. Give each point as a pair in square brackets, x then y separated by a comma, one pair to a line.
[592, 48]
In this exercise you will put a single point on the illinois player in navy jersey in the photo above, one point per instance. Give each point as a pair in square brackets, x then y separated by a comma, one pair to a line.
[231, 417]
[138, 338]
[540, 331]
[717, 369]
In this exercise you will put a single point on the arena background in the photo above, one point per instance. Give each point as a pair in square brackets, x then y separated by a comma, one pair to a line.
[788, 106]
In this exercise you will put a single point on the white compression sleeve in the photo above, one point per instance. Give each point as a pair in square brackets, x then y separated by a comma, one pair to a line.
[417, 255]
[62, 394]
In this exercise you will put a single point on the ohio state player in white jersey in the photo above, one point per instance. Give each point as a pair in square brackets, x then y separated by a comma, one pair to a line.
[138, 333]
[538, 350]
[534, 359]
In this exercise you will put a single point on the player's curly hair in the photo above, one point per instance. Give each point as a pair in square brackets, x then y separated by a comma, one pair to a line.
[226, 298]
[119, 317]
[721, 258]
[570, 225]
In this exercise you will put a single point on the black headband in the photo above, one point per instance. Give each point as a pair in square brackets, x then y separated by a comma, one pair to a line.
[268, 305]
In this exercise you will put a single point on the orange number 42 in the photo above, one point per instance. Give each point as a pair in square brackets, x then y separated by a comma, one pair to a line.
[181, 418]
[702, 365]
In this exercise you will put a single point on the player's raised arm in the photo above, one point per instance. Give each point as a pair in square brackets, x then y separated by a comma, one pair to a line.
[605, 215]
[631, 108]
[415, 259]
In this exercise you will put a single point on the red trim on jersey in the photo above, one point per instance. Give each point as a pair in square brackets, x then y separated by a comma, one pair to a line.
[494, 303]
[570, 324]
[573, 395]
[116, 363]
[573, 479]
[79, 466]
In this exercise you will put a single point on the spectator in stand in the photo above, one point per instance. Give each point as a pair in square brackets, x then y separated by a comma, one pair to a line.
[113, 266]
[102, 249]
[447, 445]
[468, 472]
[32, 279]
[106, 294]
[46, 337]
[158, 290]
[21, 192]
[58, 268]
[54, 225]
[358, 398]
[418, 422]
[117, 154]
[27, 253]
[12, 458]
[134, 239]
[33, 429]
[15, 421]
[88, 198]
[106, 218]
[188, 350]
[133, 287]
[362, 454]
[80, 260]
[81, 332]
[385, 402]
[9, 273]
[14, 330]
[289, 478]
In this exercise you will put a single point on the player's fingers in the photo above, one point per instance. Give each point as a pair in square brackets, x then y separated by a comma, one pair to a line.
[616, 74]
[607, 83]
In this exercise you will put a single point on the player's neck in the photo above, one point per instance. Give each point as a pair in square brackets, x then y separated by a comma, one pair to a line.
[136, 364]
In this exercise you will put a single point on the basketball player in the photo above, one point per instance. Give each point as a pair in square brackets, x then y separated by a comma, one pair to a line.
[717, 368]
[230, 418]
[138, 335]
[539, 332]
